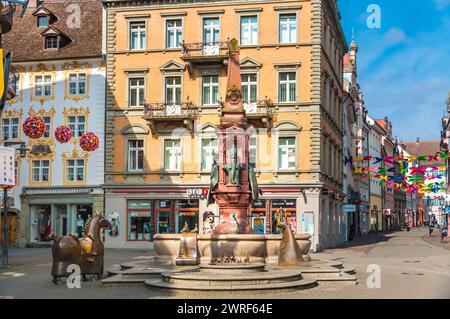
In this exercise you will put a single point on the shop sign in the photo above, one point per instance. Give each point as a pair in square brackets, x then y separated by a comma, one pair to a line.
[259, 204]
[7, 177]
[308, 223]
[283, 203]
[201, 193]
[349, 208]
[187, 203]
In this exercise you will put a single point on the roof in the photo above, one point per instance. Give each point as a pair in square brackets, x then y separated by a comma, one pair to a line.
[424, 148]
[26, 39]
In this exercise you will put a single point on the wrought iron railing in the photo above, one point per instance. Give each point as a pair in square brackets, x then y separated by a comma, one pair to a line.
[264, 106]
[170, 110]
[204, 49]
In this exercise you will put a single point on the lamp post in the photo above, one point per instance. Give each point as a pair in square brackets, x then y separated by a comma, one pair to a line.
[23, 153]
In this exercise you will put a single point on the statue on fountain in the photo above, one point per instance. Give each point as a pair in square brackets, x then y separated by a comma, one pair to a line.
[233, 167]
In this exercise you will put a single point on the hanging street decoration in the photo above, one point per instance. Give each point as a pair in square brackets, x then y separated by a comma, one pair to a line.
[63, 134]
[406, 178]
[89, 142]
[34, 127]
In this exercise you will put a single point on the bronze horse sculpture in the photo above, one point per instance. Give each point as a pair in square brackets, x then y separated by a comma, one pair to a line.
[86, 252]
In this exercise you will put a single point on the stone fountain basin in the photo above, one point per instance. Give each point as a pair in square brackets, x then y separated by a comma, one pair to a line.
[260, 248]
[235, 268]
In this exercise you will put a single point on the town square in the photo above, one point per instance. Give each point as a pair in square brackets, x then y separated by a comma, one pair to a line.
[217, 149]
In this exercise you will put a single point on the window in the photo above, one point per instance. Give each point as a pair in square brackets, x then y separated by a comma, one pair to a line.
[77, 125]
[135, 155]
[42, 21]
[286, 153]
[43, 85]
[41, 171]
[51, 42]
[287, 87]
[174, 33]
[173, 90]
[137, 36]
[210, 89]
[325, 95]
[252, 151]
[324, 156]
[209, 149]
[249, 87]
[10, 128]
[140, 222]
[288, 28]
[77, 84]
[172, 155]
[75, 170]
[136, 92]
[211, 31]
[48, 126]
[249, 30]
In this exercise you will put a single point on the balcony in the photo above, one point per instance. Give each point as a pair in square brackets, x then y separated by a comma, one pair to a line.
[6, 16]
[260, 113]
[184, 113]
[205, 53]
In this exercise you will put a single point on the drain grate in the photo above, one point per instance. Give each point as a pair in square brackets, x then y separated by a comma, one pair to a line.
[412, 274]
[411, 261]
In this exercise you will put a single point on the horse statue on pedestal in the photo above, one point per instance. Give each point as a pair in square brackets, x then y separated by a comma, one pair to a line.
[86, 252]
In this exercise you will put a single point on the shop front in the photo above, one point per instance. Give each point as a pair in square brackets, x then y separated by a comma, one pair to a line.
[60, 211]
[263, 214]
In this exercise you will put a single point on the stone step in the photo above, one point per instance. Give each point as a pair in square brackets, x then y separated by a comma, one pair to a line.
[120, 280]
[349, 270]
[219, 279]
[114, 271]
[343, 279]
[336, 264]
[143, 272]
[274, 287]
[233, 268]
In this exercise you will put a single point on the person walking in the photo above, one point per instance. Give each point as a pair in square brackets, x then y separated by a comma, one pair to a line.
[430, 229]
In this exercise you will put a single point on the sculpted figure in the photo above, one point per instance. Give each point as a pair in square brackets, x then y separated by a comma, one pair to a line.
[232, 167]
[289, 254]
[214, 178]
[86, 252]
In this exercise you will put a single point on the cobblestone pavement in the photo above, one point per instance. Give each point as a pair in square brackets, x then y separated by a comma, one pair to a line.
[411, 267]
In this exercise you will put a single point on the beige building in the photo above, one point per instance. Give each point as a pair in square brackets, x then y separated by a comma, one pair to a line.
[166, 73]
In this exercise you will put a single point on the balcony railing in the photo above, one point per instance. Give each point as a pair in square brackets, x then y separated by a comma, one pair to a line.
[205, 49]
[261, 110]
[185, 112]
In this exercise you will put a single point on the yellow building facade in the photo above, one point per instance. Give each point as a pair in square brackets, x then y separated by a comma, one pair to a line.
[166, 75]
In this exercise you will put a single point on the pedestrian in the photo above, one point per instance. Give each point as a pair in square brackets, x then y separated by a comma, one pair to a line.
[430, 229]
[443, 233]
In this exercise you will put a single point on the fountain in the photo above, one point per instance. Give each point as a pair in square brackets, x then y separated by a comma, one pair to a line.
[231, 258]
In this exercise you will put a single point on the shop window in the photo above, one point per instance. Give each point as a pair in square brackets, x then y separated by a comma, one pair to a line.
[289, 206]
[186, 214]
[140, 223]
[258, 217]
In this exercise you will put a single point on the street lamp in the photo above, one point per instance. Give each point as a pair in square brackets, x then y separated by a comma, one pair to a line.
[23, 153]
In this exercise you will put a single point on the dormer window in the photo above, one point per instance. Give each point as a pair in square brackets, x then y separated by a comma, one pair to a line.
[51, 42]
[42, 21]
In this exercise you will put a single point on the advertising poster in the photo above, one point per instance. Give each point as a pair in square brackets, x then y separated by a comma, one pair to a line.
[308, 223]
[7, 166]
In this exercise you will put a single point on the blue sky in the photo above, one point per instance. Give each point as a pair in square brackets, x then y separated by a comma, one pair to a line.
[404, 66]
